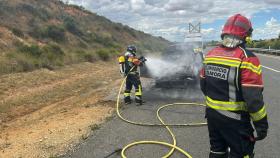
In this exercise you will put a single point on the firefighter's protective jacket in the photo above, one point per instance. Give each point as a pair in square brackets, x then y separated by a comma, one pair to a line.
[129, 64]
[231, 81]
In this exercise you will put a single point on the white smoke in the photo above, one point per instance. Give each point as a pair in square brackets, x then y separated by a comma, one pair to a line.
[159, 68]
[185, 61]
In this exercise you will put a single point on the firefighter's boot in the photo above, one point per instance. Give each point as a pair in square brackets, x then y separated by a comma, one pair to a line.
[127, 99]
[138, 100]
[218, 155]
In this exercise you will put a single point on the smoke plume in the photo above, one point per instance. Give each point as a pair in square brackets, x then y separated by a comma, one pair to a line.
[177, 59]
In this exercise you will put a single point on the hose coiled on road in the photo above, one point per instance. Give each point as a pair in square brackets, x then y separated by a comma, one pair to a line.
[172, 146]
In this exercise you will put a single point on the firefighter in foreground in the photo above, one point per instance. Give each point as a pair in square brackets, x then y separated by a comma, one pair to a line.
[129, 67]
[231, 80]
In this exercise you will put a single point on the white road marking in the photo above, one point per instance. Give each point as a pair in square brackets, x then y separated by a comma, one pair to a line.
[270, 69]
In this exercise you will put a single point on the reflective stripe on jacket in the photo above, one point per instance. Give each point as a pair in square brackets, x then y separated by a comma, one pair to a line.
[231, 80]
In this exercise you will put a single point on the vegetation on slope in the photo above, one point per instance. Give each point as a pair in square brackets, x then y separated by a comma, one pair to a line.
[48, 33]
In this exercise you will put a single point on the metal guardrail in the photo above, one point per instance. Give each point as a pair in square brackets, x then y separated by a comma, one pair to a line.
[265, 51]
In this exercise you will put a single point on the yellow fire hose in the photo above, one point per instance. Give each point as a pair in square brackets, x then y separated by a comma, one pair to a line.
[172, 146]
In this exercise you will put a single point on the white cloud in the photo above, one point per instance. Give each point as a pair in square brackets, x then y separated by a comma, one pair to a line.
[272, 23]
[137, 5]
[208, 31]
[271, 30]
[211, 34]
[161, 17]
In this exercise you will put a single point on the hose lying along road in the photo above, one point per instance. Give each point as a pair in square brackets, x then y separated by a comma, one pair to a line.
[173, 146]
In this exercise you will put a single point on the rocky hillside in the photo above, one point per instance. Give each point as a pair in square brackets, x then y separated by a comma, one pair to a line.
[48, 33]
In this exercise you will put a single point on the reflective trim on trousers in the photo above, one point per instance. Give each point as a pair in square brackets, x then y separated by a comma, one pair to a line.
[138, 91]
[126, 94]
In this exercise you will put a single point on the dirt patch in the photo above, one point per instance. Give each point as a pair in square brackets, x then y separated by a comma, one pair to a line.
[44, 113]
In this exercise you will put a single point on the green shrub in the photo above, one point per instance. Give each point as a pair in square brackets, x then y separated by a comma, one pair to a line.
[52, 56]
[17, 32]
[86, 56]
[276, 44]
[53, 49]
[103, 54]
[71, 25]
[28, 8]
[272, 43]
[26, 64]
[37, 31]
[33, 50]
[90, 57]
[102, 39]
[41, 13]
[20, 62]
[82, 44]
[31, 57]
[5, 66]
[57, 33]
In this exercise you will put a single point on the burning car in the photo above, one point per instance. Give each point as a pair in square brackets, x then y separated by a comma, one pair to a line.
[177, 67]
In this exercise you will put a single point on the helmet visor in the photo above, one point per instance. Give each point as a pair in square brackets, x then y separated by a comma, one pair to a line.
[231, 41]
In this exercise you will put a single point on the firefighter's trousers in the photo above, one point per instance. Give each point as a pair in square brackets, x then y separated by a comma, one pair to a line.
[133, 80]
[229, 137]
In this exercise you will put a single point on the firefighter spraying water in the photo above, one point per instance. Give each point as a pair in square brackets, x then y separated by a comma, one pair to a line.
[129, 63]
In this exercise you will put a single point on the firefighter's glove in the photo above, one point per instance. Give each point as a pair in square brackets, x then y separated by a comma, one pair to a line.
[261, 127]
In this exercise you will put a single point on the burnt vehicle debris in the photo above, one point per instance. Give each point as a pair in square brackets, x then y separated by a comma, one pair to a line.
[185, 60]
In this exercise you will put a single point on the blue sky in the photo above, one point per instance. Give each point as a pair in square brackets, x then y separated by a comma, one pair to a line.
[260, 22]
[170, 18]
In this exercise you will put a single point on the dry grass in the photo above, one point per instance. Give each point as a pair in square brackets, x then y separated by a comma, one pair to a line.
[42, 113]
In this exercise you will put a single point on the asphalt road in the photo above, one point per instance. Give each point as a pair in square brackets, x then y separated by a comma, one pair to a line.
[115, 134]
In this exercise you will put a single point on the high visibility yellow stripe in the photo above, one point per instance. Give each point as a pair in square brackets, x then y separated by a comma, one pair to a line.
[225, 60]
[228, 62]
[247, 156]
[224, 105]
[121, 59]
[259, 115]
[222, 63]
[126, 94]
[139, 92]
[253, 68]
[223, 57]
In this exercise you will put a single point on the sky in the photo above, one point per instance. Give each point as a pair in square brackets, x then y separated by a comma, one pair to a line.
[170, 18]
